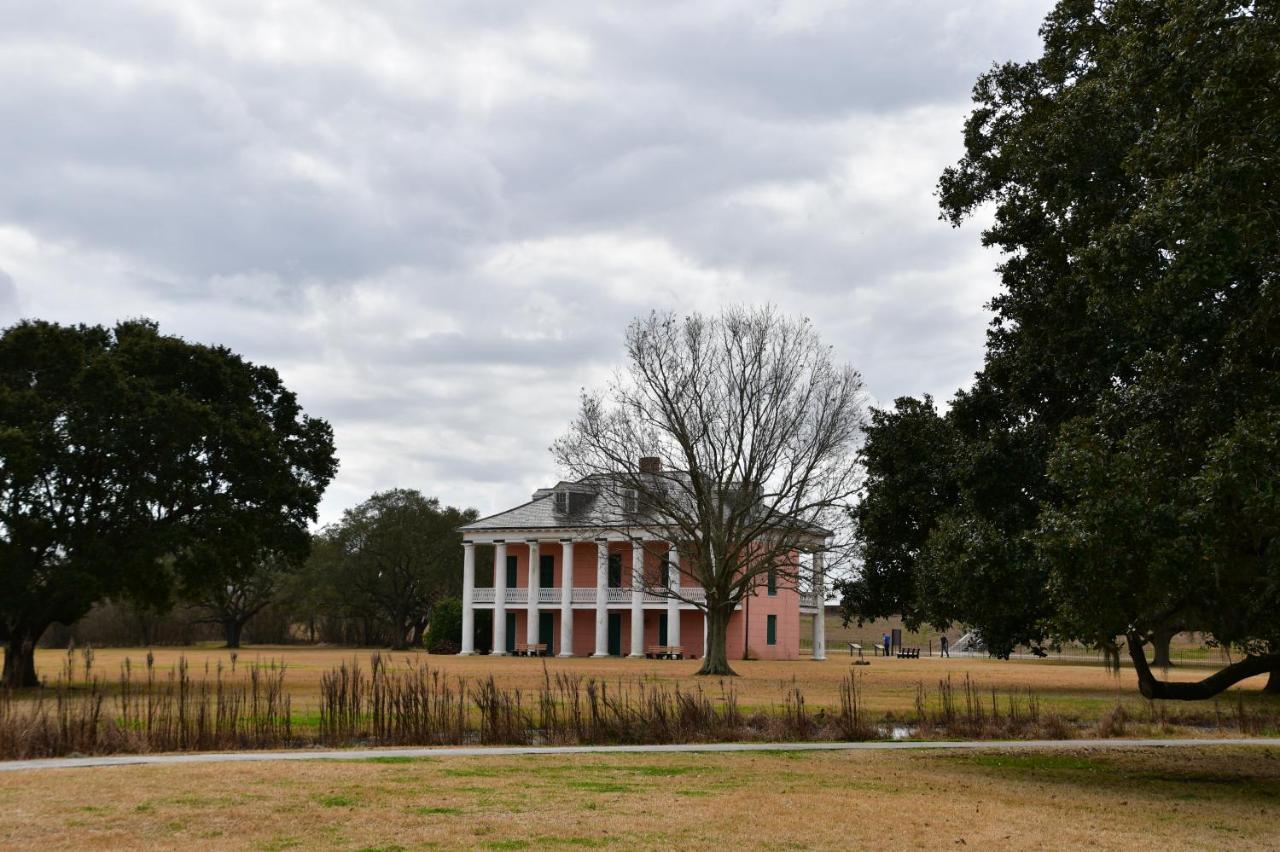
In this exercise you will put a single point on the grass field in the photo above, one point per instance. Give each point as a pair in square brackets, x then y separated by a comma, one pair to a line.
[1077, 691]
[1130, 799]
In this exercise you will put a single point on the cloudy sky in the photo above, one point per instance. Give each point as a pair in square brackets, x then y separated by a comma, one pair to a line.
[436, 219]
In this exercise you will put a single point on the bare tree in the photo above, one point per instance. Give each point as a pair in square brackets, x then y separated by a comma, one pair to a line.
[731, 437]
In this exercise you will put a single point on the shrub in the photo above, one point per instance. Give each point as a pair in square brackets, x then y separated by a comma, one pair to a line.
[444, 634]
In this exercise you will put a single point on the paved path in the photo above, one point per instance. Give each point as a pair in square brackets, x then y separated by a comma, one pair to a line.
[507, 751]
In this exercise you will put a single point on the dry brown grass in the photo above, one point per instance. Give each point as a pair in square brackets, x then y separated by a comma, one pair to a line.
[1076, 690]
[1131, 799]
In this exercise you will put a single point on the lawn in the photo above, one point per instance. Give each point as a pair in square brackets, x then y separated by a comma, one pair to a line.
[1076, 690]
[1126, 799]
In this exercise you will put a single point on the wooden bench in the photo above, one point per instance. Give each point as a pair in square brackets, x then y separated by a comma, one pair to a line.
[908, 653]
[664, 652]
[535, 649]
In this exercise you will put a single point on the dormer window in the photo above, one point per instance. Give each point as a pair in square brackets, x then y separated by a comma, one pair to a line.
[562, 502]
[630, 501]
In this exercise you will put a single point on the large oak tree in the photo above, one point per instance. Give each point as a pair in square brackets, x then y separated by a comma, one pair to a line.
[1116, 463]
[130, 459]
[1117, 472]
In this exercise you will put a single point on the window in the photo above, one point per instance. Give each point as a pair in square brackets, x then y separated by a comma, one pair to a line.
[562, 502]
[615, 570]
[546, 571]
[511, 572]
[773, 582]
[771, 630]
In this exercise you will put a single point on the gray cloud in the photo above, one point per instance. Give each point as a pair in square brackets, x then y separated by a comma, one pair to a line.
[437, 221]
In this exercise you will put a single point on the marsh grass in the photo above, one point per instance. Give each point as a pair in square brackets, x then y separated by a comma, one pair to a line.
[146, 709]
[966, 710]
[144, 712]
[249, 707]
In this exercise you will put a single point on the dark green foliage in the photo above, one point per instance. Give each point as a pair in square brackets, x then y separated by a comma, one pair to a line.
[909, 456]
[444, 633]
[132, 461]
[1119, 464]
[387, 564]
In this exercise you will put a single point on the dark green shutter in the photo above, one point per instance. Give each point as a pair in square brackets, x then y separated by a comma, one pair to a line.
[771, 630]
[511, 572]
[547, 630]
[773, 583]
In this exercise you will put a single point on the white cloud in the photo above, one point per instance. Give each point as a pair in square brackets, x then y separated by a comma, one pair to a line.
[437, 219]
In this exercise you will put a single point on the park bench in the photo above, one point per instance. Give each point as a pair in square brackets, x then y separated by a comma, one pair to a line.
[531, 649]
[908, 653]
[664, 652]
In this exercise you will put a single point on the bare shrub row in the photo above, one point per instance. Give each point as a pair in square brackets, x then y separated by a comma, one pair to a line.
[249, 707]
[220, 708]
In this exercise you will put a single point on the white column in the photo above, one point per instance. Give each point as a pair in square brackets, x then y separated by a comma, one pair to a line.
[499, 599]
[468, 598]
[673, 604]
[637, 598]
[566, 597]
[602, 598]
[531, 620]
[820, 616]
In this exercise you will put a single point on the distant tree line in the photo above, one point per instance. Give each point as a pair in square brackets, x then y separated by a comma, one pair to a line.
[379, 577]
[153, 490]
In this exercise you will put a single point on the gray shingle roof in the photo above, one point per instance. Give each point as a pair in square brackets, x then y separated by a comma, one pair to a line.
[587, 511]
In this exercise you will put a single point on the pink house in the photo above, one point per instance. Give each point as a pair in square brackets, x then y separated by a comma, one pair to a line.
[570, 576]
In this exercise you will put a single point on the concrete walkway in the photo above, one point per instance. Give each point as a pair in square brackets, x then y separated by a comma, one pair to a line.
[508, 751]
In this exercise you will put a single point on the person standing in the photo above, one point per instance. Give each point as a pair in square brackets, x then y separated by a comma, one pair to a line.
[945, 644]
[888, 645]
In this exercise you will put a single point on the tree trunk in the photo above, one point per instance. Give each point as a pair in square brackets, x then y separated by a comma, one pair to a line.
[234, 627]
[20, 659]
[400, 630]
[1160, 642]
[1151, 687]
[715, 660]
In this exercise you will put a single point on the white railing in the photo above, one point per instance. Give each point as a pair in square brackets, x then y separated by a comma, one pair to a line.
[695, 595]
[519, 596]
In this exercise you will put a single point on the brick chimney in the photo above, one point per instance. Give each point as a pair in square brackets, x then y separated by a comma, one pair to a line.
[650, 464]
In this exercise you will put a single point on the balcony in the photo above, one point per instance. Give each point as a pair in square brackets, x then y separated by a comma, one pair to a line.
[582, 597]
